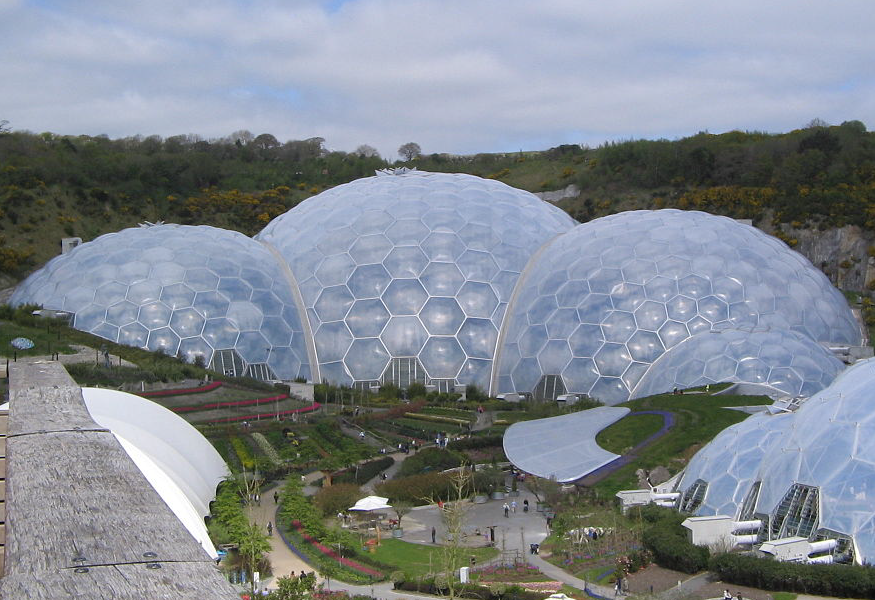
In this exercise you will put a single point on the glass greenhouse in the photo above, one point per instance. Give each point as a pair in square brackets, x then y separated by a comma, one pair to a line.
[187, 291]
[600, 304]
[808, 473]
[775, 363]
[450, 279]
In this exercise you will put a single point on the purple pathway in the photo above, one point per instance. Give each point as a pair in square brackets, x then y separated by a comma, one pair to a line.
[605, 470]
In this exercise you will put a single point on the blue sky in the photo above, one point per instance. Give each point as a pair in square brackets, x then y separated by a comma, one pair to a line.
[457, 76]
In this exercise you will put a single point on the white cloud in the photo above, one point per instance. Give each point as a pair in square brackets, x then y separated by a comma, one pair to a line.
[455, 76]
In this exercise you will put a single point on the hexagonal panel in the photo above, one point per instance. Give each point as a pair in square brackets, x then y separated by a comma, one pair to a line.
[442, 316]
[404, 297]
[442, 357]
[404, 336]
[442, 279]
[367, 318]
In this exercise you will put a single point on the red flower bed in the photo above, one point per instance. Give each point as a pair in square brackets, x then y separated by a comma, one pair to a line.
[331, 553]
[229, 404]
[179, 392]
[255, 417]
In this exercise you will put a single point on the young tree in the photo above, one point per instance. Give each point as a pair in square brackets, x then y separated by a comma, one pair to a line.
[252, 548]
[454, 515]
[409, 151]
[401, 508]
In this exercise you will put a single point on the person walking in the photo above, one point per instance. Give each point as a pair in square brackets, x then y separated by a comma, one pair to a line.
[513, 506]
[276, 497]
[526, 505]
[506, 510]
[433, 535]
[269, 528]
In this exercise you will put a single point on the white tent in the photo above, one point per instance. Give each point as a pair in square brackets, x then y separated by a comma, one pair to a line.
[371, 503]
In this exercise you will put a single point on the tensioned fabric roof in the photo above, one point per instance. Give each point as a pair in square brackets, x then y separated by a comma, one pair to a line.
[561, 447]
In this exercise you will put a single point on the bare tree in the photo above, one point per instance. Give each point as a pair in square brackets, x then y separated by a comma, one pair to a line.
[409, 151]
[454, 514]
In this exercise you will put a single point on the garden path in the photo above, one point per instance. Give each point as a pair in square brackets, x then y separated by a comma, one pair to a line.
[282, 559]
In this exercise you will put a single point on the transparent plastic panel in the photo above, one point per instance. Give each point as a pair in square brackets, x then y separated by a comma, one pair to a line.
[442, 357]
[369, 281]
[366, 359]
[404, 336]
[442, 279]
[442, 316]
[404, 297]
[478, 337]
[367, 318]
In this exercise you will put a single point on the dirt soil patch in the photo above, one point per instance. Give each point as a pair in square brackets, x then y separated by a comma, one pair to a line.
[663, 579]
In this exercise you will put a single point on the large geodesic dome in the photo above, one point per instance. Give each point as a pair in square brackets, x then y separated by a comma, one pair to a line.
[810, 473]
[191, 291]
[601, 303]
[449, 279]
[406, 277]
[719, 477]
[776, 363]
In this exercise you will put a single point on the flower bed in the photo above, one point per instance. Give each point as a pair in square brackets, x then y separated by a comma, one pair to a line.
[325, 550]
[541, 586]
[267, 415]
[231, 404]
[181, 392]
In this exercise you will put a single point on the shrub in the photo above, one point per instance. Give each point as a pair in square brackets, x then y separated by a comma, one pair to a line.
[336, 498]
[429, 459]
[417, 489]
[667, 540]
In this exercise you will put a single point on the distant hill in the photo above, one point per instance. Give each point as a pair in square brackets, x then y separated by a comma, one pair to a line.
[790, 184]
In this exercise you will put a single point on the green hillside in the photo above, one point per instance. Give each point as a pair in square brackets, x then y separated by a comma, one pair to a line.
[57, 186]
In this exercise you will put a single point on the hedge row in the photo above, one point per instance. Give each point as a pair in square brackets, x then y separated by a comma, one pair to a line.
[667, 541]
[476, 442]
[844, 581]
[469, 590]
[366, 471]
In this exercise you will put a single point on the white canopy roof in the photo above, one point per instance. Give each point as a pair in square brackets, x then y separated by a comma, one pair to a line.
[371, 503]
[563, 447]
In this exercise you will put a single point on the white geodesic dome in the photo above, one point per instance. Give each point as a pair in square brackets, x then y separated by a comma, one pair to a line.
[718, 478]
[406, 276]
[190, 291]
[600, 304]
[831, 450]
[810, 473]
[777, 362]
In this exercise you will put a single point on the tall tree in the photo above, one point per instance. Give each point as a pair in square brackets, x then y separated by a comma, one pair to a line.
[409, 151]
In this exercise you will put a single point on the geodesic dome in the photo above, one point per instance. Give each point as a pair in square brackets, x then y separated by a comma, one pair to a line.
[186, 290]
[406, 277]
[601, 303]
[810, 473]
[778, 362]
[821, 473]
[719, 477]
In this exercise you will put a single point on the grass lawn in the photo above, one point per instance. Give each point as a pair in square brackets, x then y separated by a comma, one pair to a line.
[419, 559]
[627, 432]
[698, 418]
[45, 339]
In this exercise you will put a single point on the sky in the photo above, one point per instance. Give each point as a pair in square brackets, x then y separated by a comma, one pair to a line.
[454, 76]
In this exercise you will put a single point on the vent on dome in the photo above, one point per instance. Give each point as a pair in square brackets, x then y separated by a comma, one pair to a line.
[693, 497]
[797, 514]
